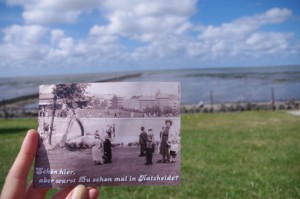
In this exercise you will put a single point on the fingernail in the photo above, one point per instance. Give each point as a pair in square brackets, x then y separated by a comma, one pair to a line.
[80, 192]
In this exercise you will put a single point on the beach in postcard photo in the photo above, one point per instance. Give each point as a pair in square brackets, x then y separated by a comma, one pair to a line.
[108, 134]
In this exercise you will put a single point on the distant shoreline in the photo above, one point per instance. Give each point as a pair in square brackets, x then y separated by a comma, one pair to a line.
[16, 109]
[121, 77]
[241, 106]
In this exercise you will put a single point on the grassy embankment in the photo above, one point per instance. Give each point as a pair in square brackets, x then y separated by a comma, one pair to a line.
[231, 155]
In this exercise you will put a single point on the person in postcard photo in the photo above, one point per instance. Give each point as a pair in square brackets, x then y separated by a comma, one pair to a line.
[97, 150]
[168, 135]
[174, 147]
[114, 130]
[109, 131]
[161, 132]
[160, 138]
[149, 147]
[142, 141]
[46, 129]
[107, 150]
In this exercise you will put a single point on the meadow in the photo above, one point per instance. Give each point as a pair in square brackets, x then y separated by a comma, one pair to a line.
[224, 155]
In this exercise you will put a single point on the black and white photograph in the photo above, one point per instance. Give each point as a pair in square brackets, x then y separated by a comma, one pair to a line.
[108, 134]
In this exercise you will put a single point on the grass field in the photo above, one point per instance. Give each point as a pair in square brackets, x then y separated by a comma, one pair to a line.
[226, 155]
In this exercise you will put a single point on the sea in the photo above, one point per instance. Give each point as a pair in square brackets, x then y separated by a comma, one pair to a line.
[222, 85]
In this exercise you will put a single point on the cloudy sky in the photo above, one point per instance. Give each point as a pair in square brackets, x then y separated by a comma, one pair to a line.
[74, 36]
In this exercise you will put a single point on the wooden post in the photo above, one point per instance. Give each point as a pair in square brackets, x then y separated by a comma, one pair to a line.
[211, 99]
[273, 99]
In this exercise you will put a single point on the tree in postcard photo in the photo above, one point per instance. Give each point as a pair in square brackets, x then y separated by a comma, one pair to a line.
[70, 94]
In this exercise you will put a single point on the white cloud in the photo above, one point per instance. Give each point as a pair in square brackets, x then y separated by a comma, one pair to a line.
[266, 40]
[45, 12]
[92, 50]
[145, 20]
[24, 35]
[56, 36]
[23, 46]
[242, 27]
[276, 15]
[49, 17]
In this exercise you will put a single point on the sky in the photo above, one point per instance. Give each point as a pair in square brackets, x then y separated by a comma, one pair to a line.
[43, 37]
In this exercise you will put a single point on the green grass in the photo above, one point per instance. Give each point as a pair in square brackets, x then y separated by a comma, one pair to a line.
[226, 155]
[12, 133]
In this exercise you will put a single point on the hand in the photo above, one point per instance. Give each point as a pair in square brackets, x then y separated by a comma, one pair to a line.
[15, 183]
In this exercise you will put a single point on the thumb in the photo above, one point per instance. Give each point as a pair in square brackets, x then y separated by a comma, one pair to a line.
[79, 192]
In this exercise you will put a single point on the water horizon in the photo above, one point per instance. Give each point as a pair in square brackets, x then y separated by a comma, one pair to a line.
[233, 84]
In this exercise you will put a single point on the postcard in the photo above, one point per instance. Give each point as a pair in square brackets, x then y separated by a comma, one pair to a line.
[108, 134]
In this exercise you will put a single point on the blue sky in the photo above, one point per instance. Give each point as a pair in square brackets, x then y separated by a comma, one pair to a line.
[41, 37]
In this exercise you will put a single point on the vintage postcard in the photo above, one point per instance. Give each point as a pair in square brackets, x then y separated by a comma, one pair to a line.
[108, 134]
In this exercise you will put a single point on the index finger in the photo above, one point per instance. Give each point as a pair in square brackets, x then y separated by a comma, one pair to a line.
[15, 183]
